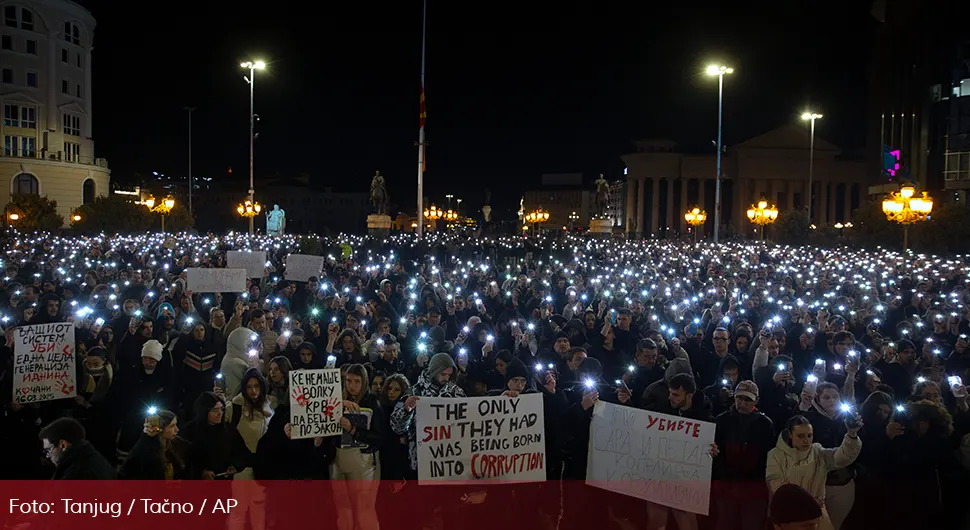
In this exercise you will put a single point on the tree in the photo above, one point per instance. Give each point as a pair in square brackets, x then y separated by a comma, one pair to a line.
[177, 220]
[871, 228]
[793, 227]
[36, 213]
[113, 214]
[945, 231]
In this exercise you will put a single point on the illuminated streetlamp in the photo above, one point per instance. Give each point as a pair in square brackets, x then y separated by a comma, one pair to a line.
[163, 207]
[253, 66]
[719, 71]
[762, 214]
[905, 208]
[695, 217]
[811, 156]
[248, 209]
[536, 217]
[433, 213]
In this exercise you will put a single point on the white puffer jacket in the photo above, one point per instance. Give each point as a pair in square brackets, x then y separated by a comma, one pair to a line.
[787, 465]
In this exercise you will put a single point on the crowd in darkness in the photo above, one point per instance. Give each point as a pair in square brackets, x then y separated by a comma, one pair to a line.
[837, 370]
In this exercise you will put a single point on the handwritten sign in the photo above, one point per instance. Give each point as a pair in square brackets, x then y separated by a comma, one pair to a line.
[253, 261]
[299, 267]
[651, 456]
[216, 280]
[44, 365]
[316, 403]
[468, 440]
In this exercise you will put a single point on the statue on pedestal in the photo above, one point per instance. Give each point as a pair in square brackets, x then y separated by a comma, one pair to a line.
[602, 196]
[378, 194]
[487, 208]
[275, 221]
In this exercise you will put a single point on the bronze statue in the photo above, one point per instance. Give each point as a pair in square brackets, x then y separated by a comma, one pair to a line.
[602, 196]
[378, 194]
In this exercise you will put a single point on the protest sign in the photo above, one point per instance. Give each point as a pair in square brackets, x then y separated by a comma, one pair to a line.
[253, 261]
[216, 280]
[316, 403]
[299, 267]
[44, 365]
[468, 440]
[651, 456]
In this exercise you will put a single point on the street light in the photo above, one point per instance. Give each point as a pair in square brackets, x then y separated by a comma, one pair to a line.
[905, 208]
[573, 219]
[248, 209]
[695, 218]
[163, 207]
[762, 214]
[537, 216]
[451, 215]
[719, 71]
[811, 157]
[433, 213]
[253, 66]
[14, 217]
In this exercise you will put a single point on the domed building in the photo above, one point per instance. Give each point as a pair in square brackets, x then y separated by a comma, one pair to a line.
[45, 92]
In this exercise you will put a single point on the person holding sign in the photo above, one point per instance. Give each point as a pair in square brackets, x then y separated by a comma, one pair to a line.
[355, 472]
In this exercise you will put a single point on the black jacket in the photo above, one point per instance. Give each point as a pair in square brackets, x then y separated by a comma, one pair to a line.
[744, 441]
[82, 461]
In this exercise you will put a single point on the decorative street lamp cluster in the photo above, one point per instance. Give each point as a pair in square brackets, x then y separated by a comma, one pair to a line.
[762, 214]
[906, 208]
[451, 216]
[249, 209]
[433, 213]
[695, 217]
[162, 207]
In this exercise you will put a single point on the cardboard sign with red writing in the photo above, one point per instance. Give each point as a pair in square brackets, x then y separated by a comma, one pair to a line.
[651, 456]
[316, 403]
[470, 440]
[44, 363]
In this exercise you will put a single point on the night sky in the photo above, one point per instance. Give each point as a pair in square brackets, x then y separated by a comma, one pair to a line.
[512, 91]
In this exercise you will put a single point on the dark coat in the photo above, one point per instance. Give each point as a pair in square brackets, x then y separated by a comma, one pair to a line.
[82, 461]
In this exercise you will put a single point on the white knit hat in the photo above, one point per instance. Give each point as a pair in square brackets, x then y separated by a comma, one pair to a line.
[152, 349]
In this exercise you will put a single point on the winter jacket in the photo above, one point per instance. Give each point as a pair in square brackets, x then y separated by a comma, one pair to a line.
[82, 461]
[744, 441]
[403, 421]
[657, 392]
[786, 465]
[236, 361]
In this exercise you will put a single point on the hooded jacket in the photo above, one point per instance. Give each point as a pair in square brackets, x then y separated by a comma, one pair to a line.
[657, 392]
[786, 465]
[212, 447]
[403, 421]
[236, 361]
[252, 423]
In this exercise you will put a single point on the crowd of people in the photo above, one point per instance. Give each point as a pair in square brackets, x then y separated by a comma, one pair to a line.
[839, 371]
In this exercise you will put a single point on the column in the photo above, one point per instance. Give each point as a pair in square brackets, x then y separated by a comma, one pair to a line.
[630, 204]
[641, 184]
[670, 205]
[53, 85]
[790, 186]
[772, 192]
[683, 205]
[89, 119]
[655, 208]
[847, 207]
[700, 204]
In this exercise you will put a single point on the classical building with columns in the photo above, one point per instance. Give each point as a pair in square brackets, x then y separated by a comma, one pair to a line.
[45, 91]
[664, 183]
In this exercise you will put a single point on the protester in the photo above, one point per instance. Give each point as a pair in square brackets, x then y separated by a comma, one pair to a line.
[74, 457]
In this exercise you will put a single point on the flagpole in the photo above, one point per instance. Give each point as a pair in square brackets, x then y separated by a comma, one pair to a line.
[424, 24]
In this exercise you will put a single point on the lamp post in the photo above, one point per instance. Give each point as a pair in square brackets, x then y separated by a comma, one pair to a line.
[811, 157]
[762, 214]
[162, 207]
[719, 71]
[535, 217]
[695, 217]
[253, 66]
[249, 209]
[433, 213]
[190, 109]
[573, 218]
[905, 208]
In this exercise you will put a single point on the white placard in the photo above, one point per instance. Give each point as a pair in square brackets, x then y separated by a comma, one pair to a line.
[316, 403]
[253, 261]
[44, 364]
[216, 280]
[470, 440]
[651, 456]
[299, 267]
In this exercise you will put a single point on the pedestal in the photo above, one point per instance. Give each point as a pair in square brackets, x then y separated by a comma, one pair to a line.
[378, 224]
[601, 226]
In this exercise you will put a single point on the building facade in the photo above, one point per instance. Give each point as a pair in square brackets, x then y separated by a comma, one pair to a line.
[663, 184]
[45, 92]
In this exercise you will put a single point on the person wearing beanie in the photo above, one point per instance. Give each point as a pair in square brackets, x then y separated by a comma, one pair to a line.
[151, 384]
[151, 355]
[517, 380]
[437, 380]
[793, 508]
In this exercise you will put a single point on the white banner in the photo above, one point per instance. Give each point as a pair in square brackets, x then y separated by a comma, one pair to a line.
[316, 403]
[651, 456]
[216, 280]
[469, 440]
[299, 267]
[44, 365]
[253, 261]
